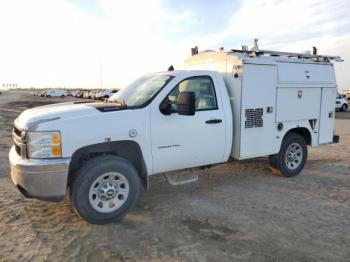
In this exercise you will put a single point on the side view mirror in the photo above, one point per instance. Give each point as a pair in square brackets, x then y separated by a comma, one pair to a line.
[186, 103]
[165, 107]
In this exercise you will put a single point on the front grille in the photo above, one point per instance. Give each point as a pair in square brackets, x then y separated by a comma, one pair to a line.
[18, 142]
[17, 131]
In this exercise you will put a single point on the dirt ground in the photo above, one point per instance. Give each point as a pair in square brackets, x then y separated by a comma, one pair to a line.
[240, 211]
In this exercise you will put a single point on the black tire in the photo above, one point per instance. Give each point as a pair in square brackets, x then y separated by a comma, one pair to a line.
[278, 161]
[344, 107]
[84, 179]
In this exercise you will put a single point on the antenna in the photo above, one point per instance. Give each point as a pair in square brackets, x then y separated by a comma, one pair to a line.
[100, 66]
[255, 47]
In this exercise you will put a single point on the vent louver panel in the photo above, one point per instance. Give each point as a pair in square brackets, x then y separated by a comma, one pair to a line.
[254, 117]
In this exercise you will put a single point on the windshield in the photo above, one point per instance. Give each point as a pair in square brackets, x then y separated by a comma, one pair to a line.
[141, 91]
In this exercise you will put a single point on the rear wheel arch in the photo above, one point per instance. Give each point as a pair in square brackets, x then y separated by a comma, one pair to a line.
[127, 149]
[303, 132]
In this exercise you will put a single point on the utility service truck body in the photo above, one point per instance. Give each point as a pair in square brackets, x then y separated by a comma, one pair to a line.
[270, 95]
[220, 105]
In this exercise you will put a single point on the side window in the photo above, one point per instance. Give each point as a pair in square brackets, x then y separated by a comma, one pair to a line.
[203, 89]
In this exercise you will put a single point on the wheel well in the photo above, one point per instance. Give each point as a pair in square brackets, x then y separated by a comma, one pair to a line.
[128, 150]
[302, 131]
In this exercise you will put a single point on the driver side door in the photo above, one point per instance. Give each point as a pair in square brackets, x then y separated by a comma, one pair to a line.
[182, 141]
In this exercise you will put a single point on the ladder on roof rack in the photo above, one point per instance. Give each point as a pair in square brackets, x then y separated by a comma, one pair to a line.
[317, 58]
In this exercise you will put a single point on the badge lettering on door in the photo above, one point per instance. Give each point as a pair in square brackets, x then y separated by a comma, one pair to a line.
[162, 147]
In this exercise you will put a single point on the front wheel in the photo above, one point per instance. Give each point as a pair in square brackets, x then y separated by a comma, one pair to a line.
[292, 156]
[104, 189]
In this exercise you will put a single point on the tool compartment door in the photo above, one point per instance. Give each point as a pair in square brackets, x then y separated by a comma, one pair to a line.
[327, 114]
[258, 110]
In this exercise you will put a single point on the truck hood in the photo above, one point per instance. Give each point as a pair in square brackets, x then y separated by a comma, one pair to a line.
[30, 119]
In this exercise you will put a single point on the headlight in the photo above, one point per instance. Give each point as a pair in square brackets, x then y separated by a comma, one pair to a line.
[44, 144]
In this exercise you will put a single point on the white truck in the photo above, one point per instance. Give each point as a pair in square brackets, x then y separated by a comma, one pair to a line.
[341, 103]
[56, 93]
[105, 94]
[227, 104]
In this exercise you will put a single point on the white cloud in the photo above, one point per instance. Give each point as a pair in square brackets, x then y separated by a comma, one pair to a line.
[291, 25]
[53, 43]
[46, 42]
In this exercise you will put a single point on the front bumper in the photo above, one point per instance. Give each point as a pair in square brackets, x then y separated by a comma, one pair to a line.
[45, 179]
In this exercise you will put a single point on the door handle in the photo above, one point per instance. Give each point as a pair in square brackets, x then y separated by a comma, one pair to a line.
[213, 121]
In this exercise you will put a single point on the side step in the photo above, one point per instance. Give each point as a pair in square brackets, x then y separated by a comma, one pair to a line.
[184, 180]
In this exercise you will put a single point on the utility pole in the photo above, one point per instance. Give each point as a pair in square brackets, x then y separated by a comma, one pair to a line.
[100, 65]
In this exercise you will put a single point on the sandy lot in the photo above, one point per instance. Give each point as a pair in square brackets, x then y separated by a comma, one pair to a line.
[239, 211]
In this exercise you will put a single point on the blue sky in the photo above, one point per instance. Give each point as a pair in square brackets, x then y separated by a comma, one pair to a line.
[64, 42]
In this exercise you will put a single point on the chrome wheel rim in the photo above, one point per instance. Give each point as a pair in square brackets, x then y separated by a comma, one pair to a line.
[109, 192]
[294, 156]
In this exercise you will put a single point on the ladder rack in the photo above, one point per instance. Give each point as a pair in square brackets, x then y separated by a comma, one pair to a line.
[317, 58]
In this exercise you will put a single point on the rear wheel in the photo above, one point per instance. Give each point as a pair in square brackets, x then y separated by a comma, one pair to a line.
[104, 189]
[292, 156]
[344, 107]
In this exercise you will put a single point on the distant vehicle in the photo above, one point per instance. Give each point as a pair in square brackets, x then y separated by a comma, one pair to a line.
[90, 95]
[78, 94]
[42, 94]
[94, 95]
[105, 94]
[86, 94]
[341, 102]
[56, 93]
[36, 93]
